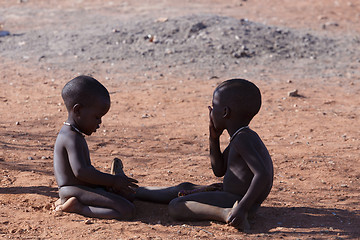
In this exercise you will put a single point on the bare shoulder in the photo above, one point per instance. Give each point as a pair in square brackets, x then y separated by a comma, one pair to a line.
[248, 140]
[252, 150]
[63, 137]
[67, 139]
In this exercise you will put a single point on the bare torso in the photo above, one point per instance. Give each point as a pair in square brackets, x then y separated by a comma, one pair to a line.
[63, 173]
[238, 175]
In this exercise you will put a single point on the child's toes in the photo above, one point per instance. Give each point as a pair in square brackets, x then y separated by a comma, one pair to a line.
[117, 167]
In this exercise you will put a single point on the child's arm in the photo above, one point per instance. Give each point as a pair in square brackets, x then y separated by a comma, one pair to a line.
[262, 178]
[218, 164]
[79, 160]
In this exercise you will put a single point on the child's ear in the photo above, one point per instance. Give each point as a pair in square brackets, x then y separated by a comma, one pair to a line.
[226, 113]
[76, 109]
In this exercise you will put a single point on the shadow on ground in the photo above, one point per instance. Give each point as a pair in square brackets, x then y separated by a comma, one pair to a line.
[41, 190]
[286, 221]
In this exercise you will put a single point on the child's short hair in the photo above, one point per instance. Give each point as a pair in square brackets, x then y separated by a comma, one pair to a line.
[82, 90]
[242, 96]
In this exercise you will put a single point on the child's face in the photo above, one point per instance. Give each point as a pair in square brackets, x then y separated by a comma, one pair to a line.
[89, 117]
[217, 112]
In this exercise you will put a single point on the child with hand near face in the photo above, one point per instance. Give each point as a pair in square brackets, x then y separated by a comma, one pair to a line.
[245, 164]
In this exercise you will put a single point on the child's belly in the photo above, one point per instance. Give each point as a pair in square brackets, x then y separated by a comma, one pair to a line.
[235, 184]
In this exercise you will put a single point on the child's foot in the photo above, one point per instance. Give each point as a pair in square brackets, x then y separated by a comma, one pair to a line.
[71, 205]
[57, 203]
[117, 167]
[246, 225]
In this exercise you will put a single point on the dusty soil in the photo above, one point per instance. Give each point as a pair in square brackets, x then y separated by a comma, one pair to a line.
[161, 61]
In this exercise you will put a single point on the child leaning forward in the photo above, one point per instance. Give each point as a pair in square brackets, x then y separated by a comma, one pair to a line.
[82, 188]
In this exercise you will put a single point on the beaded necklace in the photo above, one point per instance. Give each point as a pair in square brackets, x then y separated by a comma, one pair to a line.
[75, 128]
[237, 132]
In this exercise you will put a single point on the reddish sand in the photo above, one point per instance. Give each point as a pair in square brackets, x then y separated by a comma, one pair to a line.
[159, 128]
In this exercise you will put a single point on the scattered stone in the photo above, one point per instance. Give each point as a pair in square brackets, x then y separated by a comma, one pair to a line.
[4, 33]
[30, 158]
[330, 24]
[329, 102]
[208, 38]
[48, 206]
[114, 152]
[88, 222]
[294, 93]
[161, 19]
[17, 123]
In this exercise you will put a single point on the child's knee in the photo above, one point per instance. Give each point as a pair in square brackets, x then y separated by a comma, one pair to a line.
[186, 186]
[175, 208]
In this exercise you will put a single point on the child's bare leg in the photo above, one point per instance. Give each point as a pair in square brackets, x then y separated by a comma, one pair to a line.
[95, 203]
[73, 205]
[163, 194]
[204, 206]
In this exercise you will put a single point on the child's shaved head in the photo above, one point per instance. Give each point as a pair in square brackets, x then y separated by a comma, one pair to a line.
[241, 96]
[83, 90]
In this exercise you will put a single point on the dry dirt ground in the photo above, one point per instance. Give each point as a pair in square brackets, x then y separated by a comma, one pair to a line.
[161, 61]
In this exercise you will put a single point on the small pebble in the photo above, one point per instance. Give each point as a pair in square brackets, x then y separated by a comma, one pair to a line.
[88, 222]
[293, 93]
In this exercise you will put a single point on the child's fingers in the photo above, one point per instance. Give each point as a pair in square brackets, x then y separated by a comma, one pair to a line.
[133, 185]
[132, 180]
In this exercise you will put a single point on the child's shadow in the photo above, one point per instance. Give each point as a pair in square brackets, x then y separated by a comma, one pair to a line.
[41, 190]
[307, 220]
[156, 213]
[272, 220]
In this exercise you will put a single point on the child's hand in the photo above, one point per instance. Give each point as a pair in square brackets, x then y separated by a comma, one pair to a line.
[124, 184]
[214, 133]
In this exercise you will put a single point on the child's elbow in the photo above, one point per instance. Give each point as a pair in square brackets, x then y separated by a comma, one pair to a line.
[264, 176]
